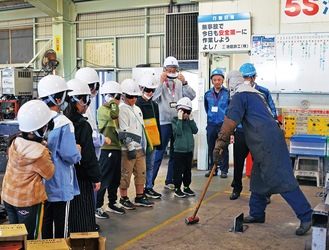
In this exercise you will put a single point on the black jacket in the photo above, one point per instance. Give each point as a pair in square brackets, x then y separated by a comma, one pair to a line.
[149, 112]
[87, 168]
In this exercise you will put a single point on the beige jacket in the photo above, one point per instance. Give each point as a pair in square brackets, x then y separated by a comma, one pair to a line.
[28, 163]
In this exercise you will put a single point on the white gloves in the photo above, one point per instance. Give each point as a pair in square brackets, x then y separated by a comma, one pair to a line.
[180, 114]
[191, 116]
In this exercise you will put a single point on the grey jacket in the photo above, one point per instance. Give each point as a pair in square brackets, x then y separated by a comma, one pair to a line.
[164, 96]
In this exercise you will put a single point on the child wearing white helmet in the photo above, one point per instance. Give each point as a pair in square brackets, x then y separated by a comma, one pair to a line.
[90, 76]
[82, 207]
[63, 186]
[173, 86]
[150, 111]
[133, 146]
[110, 158]
[184, 127]
[23, 191]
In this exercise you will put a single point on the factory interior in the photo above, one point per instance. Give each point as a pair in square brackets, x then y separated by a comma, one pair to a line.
[286, 44]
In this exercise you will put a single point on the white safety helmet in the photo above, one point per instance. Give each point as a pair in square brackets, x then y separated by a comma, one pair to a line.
[51, 84]
[88, 75]
[130, 87]
[184, 103]
[110, 87]
[78, 87]
[148, 81]
[170, 61]
[33, 115]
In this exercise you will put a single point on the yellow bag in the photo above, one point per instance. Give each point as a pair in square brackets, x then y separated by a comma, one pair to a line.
[152, 131]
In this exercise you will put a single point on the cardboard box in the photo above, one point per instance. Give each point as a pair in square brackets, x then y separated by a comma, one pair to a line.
[49, 244]
[86, 241]
[13, 233]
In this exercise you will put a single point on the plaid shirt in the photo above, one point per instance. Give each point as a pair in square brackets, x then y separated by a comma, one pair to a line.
[28, 163]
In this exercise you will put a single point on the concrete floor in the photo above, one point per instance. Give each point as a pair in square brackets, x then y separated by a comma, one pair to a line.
[163, 226]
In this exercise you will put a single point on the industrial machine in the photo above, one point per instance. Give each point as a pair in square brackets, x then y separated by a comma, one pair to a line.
[16, 89]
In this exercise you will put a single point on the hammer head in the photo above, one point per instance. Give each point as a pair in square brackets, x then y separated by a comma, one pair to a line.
[191, 220]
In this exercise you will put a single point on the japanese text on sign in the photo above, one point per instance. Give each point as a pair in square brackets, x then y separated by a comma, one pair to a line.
[224, 32]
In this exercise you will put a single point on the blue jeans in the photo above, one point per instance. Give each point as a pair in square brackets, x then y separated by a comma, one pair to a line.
[23, 215]
[149, 169]
[296, 200]
[212, 135]
[166, 135]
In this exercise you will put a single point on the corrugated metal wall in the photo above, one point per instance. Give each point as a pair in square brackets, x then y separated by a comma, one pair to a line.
[138, 35]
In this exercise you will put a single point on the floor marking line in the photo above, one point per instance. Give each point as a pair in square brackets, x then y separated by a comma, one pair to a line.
[141, 236]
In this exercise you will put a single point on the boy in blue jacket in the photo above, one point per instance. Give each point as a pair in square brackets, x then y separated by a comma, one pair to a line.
[184, 127]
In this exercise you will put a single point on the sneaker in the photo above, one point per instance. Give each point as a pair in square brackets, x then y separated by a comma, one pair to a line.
[223, 175]
[143, 201]
[127, 204]
[179, 193]
[170, 186]
[188, 191]
[149, 192]
[234, 195]
[250, 219]
[100, 214]
[97, 227]
[208, 174]
[114, 208]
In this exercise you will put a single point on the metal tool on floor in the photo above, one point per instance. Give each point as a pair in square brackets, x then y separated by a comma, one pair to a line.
[194, 219]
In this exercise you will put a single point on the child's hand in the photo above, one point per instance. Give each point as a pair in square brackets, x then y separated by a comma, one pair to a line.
[107, 141]
[191, 116]
[180, 114]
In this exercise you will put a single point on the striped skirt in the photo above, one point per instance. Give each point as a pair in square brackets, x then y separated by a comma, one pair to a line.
[82, 209]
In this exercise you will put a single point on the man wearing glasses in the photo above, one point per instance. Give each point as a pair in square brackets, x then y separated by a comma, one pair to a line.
[172, 87]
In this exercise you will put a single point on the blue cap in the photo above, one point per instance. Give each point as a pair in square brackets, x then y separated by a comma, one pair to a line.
[217, 72]
[248, 70]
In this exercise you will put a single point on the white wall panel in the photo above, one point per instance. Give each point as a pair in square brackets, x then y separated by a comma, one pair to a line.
[130, 52]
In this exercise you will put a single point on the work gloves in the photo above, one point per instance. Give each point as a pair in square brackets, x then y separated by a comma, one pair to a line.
[132, 154]
[223, 140]
[217, 156]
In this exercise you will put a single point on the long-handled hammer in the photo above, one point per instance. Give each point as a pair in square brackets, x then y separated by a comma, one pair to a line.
[194, 219]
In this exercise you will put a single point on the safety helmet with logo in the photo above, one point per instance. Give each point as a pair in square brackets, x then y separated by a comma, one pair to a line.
[170, 61]
[130, 87]
[148, 81]
[217, 72]
[248, 70]
[184, 103]
[33, 115]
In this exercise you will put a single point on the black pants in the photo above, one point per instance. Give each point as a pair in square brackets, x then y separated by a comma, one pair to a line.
[55, 213]
[240, 153]
[182, 169]
[111, 175]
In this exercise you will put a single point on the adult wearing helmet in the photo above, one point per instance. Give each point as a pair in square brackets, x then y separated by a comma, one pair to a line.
[133, 147]
[90, 76]
[110, 157]
[82, 207]
[272, 172]
[150, 110]
[184, 127]
[172, 87]
[215, 103]
[241, 150]
[63, 186]
[29, 162]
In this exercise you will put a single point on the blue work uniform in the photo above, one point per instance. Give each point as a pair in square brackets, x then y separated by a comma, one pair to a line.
[240, 147]
[271, 172]
[215, 105]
